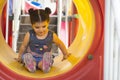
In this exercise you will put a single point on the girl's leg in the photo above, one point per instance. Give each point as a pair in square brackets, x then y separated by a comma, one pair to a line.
[29, 61]
[45, 64]
[40, 65]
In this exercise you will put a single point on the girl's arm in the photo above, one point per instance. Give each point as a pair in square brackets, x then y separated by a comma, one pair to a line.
[60, 45]
[23, 45]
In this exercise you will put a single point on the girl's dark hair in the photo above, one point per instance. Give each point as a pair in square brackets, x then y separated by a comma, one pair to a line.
[39, 15]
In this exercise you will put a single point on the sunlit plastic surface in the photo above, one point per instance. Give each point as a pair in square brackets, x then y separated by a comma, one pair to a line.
[83, 44]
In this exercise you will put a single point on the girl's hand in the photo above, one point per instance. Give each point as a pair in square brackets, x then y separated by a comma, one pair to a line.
[66, 56]
[18, 59]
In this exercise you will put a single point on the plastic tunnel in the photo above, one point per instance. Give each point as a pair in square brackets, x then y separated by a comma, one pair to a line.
[87, 47]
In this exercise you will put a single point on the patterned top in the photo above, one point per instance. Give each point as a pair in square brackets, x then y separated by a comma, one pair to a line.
[39, 46]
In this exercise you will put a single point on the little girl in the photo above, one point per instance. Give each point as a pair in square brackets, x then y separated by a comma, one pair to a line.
[37, 43]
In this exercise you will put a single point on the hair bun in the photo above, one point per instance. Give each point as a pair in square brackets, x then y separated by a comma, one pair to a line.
[30, 10]
[47, 10]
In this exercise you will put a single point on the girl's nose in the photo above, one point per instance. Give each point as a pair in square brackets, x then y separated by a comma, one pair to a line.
[40, 29]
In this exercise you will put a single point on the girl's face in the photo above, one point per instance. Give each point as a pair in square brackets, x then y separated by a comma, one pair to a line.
[40, 28]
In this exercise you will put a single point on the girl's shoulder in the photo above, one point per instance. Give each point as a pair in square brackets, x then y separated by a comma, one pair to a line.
[31, 31]
[50, 32]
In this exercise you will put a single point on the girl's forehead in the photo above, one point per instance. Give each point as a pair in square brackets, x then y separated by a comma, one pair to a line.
[41, 23]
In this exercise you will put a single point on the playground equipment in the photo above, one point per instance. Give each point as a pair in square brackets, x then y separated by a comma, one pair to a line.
[88, 42]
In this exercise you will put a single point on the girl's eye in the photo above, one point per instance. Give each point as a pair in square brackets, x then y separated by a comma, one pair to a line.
[43, 26]
[37, 27]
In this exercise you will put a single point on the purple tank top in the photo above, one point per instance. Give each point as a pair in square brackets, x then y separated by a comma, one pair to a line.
[40, 46]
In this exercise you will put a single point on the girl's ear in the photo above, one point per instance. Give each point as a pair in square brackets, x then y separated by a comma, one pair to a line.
[32, 25]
